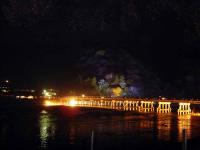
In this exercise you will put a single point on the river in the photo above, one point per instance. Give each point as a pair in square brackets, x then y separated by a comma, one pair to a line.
[36, 127]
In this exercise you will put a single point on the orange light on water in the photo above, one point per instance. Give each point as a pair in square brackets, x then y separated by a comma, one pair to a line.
[195, 114]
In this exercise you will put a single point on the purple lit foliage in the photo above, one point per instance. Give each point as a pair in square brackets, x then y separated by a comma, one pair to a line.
[119, 71]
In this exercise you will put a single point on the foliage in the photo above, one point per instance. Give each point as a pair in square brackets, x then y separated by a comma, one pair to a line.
[117, 91]
[119, 74]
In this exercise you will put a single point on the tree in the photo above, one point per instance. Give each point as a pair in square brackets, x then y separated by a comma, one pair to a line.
[120, 69]
[117, 91]
[116, 80]
[94, 82]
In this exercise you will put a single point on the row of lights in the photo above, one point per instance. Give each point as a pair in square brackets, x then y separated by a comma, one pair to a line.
[25, 97]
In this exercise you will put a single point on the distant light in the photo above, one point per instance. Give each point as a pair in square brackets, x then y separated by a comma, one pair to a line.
[102, 97]
[4, 91]
[7, 81]
[72, 102]
[30, 97]
[48, 93]
[83, 95]
[163, 98]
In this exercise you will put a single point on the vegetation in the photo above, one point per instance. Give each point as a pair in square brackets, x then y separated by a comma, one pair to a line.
[116, 73]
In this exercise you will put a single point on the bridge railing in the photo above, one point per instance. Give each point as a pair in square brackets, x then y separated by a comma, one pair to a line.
[134, 99]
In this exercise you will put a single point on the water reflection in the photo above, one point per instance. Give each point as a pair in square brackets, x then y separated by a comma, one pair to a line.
[184, 122]
[126, 108]
[145, 110]
[164, 126]
[58, 127]
[47, 128]
[163, 111]
[72, 134]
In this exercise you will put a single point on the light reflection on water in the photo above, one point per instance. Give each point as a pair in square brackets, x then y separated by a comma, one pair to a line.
[73, 126]
[72, 134]
[184, 122]
[47, 128]
[162, 126]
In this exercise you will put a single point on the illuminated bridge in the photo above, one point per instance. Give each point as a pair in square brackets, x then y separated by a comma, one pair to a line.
[128, 104]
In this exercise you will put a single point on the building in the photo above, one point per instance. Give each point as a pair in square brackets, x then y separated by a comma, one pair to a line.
[25, 94]
[49, 93]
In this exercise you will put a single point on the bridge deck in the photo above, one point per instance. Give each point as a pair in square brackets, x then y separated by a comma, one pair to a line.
[133, 99]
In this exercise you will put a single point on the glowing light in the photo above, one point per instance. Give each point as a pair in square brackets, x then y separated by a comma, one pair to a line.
[47, 128]
[83, 95]
[49, 93]
[7, 81]
[48, 103]
[184, 103]
[4, 91]
[72, 102]
[30, 97]
[22, 97]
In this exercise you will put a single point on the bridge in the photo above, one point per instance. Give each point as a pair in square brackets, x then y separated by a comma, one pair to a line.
[127, 104]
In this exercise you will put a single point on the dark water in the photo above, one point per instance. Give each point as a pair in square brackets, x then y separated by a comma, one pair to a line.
[30, 126]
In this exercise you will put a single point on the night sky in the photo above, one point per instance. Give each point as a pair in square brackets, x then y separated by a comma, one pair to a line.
[42, 41]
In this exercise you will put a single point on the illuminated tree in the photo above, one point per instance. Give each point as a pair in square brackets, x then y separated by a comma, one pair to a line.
[103, 87]
[116, 80]
[122, 82]
[133, 91]
[117, 91]
[94, 82]
[122, 70]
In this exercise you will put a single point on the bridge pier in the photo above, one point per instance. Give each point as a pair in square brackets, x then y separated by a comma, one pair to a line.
[113, 103]
[133, 104]
[164, 107]
[120, 103]
[125, 103]
[184, 109]
[105, 103]
[146, 106]
[94, 103]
